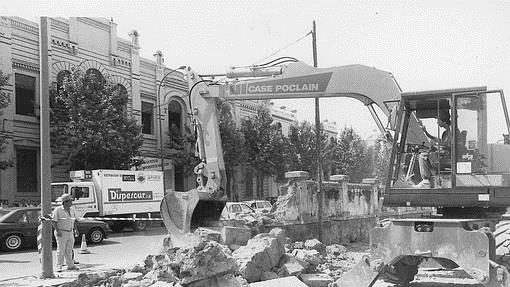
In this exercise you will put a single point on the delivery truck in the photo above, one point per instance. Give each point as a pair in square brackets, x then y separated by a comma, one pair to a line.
[122, 198]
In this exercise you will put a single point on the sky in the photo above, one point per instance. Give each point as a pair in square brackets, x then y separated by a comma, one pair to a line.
[426, 45]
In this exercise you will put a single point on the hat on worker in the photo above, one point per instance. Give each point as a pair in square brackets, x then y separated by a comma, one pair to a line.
[66, 197]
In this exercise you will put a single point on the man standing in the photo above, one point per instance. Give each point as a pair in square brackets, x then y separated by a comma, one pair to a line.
[64, 223]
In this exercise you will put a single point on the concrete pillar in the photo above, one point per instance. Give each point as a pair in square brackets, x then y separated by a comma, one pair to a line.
[113, 38]
[7, 177]
[135, 75]
[73, 35]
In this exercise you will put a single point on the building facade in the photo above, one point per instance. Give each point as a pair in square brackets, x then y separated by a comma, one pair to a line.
[90, 45]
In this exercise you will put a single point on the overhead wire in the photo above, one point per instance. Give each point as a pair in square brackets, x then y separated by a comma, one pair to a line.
[283, 48]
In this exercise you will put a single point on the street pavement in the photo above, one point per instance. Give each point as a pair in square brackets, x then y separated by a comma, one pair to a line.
[120, 250]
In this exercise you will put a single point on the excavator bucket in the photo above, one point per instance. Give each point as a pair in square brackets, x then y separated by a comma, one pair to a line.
[176, 210]
[361, 274]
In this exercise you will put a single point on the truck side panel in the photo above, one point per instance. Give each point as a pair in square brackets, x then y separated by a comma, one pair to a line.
[128, 192]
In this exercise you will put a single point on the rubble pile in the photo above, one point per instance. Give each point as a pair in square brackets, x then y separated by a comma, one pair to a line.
[268, 257]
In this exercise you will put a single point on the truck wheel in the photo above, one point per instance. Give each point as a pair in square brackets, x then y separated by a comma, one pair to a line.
[140, 225]
[12, 242]
[502, 236]
[95, 235]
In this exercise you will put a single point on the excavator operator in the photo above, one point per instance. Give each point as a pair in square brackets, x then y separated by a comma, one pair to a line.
[428, 160]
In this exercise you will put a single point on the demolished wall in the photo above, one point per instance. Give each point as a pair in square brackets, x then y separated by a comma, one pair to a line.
[341, 200]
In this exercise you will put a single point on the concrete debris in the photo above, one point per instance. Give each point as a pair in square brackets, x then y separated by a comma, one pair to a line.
[291, 266]
[194, 264]
[235, 235]
[260, 254]
[316, 280]
[206, 262]
[336, 250]
[291, 281]
[315, 245]
[268, 275]
[312, 257]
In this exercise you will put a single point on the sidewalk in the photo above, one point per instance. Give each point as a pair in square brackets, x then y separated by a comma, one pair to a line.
[34, 280]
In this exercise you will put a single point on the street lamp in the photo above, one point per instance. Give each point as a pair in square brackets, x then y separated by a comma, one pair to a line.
[159, 117]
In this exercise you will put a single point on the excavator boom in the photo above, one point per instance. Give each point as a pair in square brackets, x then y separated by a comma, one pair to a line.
[294, 80]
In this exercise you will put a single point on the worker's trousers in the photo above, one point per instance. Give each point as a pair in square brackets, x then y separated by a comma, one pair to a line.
[65, 244]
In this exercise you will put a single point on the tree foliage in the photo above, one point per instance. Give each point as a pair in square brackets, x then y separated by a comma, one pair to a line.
[382, 154]
[265, 145]
[90, 126]
[232, 138]
[234, 153]
[4, 102]
[351, 157]
[181, 149]
[263, 142]
[303, 149]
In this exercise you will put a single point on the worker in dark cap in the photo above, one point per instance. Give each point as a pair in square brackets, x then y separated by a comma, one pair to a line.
[64, 223]
[428, 160]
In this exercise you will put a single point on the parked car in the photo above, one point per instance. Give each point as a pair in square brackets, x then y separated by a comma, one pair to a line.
[259, 205]
[232, 209]
[18, 228]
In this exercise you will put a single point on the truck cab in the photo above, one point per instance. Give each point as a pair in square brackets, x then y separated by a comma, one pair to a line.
[85, 199]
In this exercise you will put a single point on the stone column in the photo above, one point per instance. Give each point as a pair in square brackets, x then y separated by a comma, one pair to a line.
[135, 75]
[7, 177]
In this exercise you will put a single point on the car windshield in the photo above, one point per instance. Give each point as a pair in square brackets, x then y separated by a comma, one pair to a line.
[266, 204]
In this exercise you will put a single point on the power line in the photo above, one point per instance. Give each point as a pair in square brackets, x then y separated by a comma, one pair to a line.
[283, 48]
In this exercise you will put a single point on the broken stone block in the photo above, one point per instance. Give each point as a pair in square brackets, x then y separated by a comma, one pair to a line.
[336, 249]
[299, 245]
[316, 280]
[233, 247]
[268, 275]
[292, 267]
[235, 235]
[315, 244]
[194, 264]
[162, 284]
[291, 281]
[131, 276]
[310, 256]
[227, 280]
[208, 234]
[260, 254]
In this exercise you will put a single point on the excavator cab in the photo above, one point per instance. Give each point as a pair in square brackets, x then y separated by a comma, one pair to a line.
[443, 155]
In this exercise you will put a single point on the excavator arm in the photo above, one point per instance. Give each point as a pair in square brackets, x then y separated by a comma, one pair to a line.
[294, 80]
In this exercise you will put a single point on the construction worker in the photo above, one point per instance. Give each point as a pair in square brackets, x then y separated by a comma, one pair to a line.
[64, 223]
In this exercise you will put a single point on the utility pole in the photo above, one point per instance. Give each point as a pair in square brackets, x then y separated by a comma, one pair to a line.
[320, 196]
[44, 112]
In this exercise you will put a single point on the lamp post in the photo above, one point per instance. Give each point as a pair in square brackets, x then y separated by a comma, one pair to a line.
[159, 117]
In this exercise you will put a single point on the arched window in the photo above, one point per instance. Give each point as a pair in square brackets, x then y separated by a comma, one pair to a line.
[123, 95]
[60, 78]
[175, 117]
[95, 75]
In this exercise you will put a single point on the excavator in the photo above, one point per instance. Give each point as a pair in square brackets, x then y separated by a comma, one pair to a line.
[467, 173]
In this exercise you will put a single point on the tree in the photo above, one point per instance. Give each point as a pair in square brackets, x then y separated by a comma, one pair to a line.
[90, 125]
[234, 153]
[382, 154]
[4, 102]
[351, 156]
[181, 150]
[264, 145]
[303, 149]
